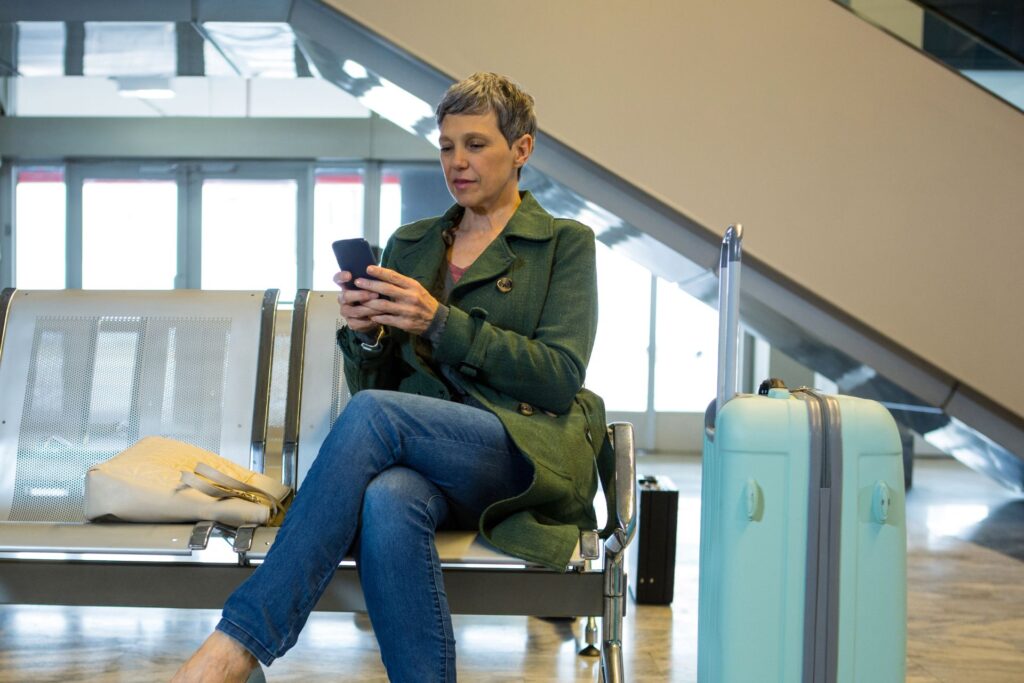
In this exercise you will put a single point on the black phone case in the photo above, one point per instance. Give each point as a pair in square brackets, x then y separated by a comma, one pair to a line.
[354, 255]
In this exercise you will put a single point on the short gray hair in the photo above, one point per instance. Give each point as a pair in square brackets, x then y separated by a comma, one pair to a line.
[485, 92]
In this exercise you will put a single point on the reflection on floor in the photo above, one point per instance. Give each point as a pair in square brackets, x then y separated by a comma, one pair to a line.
[966, 607]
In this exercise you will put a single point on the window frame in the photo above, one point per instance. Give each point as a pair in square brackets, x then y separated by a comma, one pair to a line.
[190, 175]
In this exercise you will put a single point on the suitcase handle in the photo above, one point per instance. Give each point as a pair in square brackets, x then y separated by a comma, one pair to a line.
[728, 314]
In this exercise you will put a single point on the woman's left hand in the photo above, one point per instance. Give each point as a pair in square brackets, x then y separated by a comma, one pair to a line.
[411, 307]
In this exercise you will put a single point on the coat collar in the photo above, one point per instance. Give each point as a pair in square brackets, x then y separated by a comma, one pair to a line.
[423, 256]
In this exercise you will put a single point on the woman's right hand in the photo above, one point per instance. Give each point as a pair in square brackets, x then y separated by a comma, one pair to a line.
[350, 302]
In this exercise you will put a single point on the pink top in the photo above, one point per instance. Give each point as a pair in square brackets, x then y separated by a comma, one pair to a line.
[456, 272]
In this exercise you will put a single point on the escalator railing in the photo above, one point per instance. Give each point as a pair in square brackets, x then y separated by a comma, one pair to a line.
[981, 41]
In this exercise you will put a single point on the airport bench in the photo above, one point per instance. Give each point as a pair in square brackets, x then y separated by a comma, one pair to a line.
[84, 375]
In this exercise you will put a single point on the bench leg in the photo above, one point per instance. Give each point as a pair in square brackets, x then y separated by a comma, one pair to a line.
[590, 636]
[611, 621]
[611, 663]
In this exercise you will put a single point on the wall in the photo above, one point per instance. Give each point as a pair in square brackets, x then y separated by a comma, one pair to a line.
[859, 167]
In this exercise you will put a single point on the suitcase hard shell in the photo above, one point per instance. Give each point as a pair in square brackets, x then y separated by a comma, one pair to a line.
[803, 538]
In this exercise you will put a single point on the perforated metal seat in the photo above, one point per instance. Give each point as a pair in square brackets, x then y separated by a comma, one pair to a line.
[85, 374]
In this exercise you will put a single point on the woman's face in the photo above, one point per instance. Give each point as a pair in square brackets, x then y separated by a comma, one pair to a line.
[479, 166]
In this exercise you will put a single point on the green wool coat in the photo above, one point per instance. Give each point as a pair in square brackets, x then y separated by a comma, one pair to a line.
[520, 331]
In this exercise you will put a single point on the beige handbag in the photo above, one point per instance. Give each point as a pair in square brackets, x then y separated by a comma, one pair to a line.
[161, 480]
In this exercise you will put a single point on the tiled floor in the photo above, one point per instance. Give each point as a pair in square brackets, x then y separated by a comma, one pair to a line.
[966, 611]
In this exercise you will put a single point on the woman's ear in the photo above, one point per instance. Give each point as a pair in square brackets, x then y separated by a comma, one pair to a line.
[522, 148]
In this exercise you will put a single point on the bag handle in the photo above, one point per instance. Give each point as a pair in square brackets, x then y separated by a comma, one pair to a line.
[213, 482]
[728, 314]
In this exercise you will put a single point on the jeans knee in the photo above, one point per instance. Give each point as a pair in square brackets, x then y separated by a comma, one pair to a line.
[365, 403]
[367, 408]
[374, 407]
[400, 497]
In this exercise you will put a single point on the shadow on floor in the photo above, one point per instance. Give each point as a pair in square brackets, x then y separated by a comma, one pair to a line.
[1002, 530]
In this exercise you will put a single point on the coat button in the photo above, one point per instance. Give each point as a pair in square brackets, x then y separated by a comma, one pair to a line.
[504, 285]
[525, 409]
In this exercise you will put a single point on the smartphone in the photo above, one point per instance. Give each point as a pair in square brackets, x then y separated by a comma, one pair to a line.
[354, 255]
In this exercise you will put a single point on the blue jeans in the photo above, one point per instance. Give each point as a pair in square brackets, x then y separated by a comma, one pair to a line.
[393, 468]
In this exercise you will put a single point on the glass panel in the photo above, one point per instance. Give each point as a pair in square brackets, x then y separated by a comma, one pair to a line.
[390, 208]
[115, 48]
[129, 234]
[40, 228]
[686, 360]
[265, 50]
[249, 235]
[337, 215]
[214, 63]
[41, 48]
[408, 193]
[618, 366]
[387, 99]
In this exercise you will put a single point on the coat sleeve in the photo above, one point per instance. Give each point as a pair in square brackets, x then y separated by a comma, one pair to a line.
[548, 368]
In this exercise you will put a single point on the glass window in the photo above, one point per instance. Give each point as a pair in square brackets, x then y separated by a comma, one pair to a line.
[249, 235]
[215, 64]
[40, 228]
[41, 48]
[686, 360]
[408, 193]
[259, 50]
[129, 234]
[118, 48]
[618, 366]
[337, 215]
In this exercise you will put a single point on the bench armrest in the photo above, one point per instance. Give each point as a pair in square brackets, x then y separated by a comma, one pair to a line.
[623, 527]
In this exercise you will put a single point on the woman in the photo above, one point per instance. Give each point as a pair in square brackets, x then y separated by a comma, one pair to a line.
[466, 355]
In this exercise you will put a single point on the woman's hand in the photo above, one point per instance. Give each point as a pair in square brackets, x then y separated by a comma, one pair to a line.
[352, 304]
[411, 307]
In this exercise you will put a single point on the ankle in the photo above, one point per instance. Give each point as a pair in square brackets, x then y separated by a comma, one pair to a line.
[219, 658]
[231, 651]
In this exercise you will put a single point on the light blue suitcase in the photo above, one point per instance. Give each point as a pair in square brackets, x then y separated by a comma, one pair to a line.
[803, 530]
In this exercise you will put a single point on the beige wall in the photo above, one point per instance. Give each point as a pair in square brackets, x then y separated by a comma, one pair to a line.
[867, 173]
[905, 19]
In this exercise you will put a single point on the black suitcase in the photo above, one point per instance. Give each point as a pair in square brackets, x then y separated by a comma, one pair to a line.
[653, 552]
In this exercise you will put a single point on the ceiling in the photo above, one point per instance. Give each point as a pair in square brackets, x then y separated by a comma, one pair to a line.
[218, 68]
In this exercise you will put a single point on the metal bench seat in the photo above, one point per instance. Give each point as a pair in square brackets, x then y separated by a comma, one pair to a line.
[85, 374]
[453, 548]
[80, 538]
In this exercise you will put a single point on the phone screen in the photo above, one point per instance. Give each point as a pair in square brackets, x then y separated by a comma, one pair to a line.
[354, 255]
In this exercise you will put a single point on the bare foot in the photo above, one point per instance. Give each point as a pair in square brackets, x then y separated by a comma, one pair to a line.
[221, 659]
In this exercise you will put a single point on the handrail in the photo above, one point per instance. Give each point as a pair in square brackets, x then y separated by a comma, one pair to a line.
[973, 32]
[948, 19]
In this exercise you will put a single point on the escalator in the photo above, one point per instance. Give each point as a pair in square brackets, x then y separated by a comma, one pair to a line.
[922, 398]
[983, 40]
